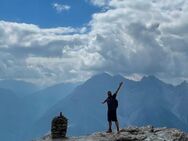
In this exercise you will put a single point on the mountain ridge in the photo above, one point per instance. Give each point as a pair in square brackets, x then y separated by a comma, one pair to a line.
[19, 87]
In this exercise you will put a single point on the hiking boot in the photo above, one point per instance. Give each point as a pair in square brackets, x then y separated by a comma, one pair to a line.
[109, 131]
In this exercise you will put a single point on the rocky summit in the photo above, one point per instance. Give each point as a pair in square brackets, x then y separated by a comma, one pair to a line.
[148, 133]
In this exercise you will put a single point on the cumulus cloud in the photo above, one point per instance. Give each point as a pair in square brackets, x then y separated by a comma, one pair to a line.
[61, 7]
[37, 54]
[140, 30]
[133, 38]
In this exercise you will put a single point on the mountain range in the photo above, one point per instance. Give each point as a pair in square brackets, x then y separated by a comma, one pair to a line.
[149, 101]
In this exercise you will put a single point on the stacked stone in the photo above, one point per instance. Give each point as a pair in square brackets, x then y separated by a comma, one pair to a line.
[59, 127]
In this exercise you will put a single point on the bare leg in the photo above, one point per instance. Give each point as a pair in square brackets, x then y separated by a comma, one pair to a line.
[110, 127]
[117, 125]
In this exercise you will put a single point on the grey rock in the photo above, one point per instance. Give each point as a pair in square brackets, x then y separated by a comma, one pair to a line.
[148, 133]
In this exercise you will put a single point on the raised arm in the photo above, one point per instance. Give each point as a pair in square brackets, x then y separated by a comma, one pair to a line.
[120, 84]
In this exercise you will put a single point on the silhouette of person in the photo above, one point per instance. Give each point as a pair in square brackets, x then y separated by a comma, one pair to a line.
[112, 104]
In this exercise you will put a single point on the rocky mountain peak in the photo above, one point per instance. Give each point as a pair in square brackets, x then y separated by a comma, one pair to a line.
[184, 84]
[148, 133]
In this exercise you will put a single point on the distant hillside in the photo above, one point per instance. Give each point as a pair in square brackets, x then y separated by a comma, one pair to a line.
[44, 99]
[20, 88]
[11, 116]
[21, 105]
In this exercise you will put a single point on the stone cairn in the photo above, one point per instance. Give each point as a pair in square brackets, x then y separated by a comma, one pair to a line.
[59, 127]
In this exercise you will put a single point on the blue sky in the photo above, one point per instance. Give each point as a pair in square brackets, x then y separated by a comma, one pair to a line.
[42, 12]
[51, 41]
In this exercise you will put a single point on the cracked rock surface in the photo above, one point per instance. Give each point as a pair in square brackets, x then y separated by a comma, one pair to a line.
[148, 133]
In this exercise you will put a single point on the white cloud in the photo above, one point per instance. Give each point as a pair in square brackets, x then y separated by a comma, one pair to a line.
[134, 32]
[61, 7]
[35, 54]
[100, 2]
[133, 38]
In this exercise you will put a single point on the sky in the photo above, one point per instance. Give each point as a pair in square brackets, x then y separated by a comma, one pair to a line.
[52, 41]
[48, 13]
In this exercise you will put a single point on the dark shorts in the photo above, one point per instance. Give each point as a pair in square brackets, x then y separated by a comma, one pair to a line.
[112, 115]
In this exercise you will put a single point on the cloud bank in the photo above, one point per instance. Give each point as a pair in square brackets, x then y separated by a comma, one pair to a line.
[132, 38]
